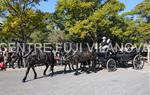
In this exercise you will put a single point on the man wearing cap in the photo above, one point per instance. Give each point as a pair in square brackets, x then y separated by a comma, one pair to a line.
[105, 44]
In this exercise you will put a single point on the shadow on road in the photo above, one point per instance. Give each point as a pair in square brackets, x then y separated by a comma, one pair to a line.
[50, 75]
[62, 72]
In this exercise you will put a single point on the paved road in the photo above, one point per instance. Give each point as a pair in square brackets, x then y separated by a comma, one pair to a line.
[122, 82]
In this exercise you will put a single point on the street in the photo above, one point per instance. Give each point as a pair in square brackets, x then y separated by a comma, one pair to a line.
[124, 81]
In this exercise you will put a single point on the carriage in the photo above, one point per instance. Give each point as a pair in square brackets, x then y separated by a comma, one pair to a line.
[111, 60]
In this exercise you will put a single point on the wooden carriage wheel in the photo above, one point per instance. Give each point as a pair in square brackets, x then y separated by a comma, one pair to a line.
[111, 65]
[138, 62]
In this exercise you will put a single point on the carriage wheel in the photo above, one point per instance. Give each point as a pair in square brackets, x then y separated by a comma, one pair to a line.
[138, 62]
[111, 65]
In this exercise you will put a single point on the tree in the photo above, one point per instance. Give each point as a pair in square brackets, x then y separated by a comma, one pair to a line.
[21, 20]
[141, 26]
[103, 21]
[57, 37]
[68, 12]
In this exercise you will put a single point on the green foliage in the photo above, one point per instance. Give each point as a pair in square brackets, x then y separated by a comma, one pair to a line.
[143, 9]
[21, 20]
[39, 36]
[23, 27]
[102, 21]
[75, 20]
[140, 30]
[16, 7]
[57, 37]
[68, 12]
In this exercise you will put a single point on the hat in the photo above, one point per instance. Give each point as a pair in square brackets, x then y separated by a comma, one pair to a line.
[103, 37]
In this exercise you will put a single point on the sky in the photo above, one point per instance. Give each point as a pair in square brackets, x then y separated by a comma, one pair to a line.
[49, 6]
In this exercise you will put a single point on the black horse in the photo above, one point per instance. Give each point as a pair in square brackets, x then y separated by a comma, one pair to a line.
[68, 58]
[39, 57]
[84, 58]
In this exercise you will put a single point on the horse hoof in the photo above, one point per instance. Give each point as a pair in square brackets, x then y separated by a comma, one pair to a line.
[76, 74]
[51, 75]
[35, 77]
[23, 81]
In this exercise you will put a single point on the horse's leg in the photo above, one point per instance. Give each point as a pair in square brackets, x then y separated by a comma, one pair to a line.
[94, 65]
[76, 73]
[28, 69]
[83, 66]
[65, 68]
[88, 63]
[12, 62]
[72, 67]
[52, 69]
[18, 63]
[69, 67]
[35, 75]
[21, 60]
[45, 69]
